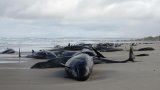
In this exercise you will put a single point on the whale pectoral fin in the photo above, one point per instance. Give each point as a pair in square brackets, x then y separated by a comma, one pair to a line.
[64, 65]
[99, 55]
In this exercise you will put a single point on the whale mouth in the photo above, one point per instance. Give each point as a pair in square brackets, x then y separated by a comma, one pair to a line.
[80, 71]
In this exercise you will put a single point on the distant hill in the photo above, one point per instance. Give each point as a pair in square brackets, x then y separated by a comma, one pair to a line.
[150, 38]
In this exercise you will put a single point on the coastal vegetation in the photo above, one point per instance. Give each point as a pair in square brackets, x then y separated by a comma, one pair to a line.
[150, 38]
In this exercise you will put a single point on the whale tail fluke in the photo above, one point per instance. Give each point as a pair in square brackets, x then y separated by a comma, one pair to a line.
[131, 55]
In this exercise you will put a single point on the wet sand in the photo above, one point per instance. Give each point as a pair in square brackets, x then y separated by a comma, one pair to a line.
[141, 75]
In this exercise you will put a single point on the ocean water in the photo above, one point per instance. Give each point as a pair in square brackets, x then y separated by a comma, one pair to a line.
[27, 44]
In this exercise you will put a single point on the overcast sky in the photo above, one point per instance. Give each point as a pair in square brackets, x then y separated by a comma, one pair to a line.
[79, 18]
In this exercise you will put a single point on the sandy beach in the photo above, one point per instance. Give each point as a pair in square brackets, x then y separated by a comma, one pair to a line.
[144, 74]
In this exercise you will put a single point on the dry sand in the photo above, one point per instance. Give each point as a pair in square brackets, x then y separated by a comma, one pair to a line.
[141, 75]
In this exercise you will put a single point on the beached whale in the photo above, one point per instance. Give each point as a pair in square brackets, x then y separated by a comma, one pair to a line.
[146, 49]
[8, 51]
[52, 63]
[79, 67]
[81, 64]
[62, 58]
[142, 55]
[106, 60]
[98, 58]
[42, 54]
[108, 47]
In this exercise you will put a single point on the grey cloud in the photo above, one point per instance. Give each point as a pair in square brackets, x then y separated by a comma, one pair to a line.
[79, 9]
[110, 18]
